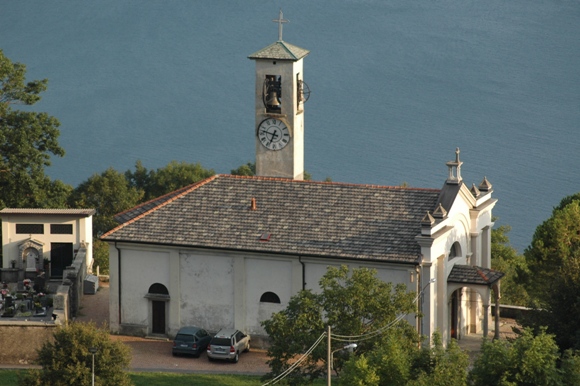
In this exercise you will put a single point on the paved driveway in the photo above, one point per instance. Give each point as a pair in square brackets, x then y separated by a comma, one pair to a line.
[155, 354]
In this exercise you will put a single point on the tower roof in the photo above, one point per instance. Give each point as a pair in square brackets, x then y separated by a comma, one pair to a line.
[280, 50]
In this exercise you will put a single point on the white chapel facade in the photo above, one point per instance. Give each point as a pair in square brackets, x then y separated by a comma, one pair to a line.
[224, 252]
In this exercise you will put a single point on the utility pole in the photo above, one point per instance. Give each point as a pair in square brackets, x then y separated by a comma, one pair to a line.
[328, 356]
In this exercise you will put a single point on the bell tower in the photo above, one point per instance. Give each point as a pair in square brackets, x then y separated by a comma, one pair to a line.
[280, 94]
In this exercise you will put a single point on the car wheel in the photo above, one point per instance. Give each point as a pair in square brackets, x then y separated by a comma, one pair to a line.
[210, 359]
[247, 347]
[236, 358]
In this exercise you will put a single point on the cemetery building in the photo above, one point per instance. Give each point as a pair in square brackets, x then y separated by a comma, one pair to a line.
[44, 240]
[231, 250]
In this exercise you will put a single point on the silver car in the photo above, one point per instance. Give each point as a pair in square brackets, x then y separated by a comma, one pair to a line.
[228, 344]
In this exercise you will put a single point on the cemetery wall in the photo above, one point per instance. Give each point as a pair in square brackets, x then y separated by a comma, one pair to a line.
[21, 340]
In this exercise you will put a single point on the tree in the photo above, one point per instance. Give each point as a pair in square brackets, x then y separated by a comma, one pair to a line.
[248, 169]
[353, 303]
[27, 139]
[101, 256]
[437, 365]
[553, 275]
[528, 360]
[175, 175]
[67, 360]
[108, 193]
[505, 258]
[398, 363]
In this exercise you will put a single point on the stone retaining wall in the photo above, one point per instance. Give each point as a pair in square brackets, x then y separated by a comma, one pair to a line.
[21, 340]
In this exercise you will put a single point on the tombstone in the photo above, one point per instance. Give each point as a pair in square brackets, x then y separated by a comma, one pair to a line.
[39, 282]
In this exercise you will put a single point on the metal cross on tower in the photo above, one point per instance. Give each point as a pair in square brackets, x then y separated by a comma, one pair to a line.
[280, 20]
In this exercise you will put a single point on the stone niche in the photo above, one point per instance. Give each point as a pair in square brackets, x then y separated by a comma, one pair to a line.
[31, 259]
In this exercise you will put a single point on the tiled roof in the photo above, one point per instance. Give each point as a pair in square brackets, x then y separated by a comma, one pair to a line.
[147, 206]
[280, 50]
[469, 274]
[291, 217]
[34, 211]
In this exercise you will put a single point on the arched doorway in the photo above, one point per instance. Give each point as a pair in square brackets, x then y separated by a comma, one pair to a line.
[455, 314]
[159, 296]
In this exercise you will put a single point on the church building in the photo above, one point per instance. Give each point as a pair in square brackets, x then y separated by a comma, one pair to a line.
[229, 251]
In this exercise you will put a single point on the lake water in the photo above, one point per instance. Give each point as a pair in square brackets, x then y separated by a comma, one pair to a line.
[396, 87]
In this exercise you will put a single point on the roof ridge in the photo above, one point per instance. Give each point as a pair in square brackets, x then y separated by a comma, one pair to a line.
[285, 45]
[281, 179]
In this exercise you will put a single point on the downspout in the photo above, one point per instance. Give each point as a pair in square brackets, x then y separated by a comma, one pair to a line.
[119, 280]
[303, 273]
[419, 319]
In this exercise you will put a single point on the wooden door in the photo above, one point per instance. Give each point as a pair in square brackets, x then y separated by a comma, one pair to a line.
[158, 317]
[61, 256]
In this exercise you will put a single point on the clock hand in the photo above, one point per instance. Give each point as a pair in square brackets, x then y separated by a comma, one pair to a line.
[273, 135]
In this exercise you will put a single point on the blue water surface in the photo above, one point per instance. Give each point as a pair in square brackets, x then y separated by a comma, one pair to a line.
[396, 87]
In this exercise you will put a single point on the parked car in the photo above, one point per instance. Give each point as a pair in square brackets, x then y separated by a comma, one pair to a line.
[190, 340]
[228, 344]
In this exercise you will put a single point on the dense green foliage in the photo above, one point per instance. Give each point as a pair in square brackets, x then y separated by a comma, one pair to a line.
[100, 256]
[67, 360]
[108, 193]
[248, 169]
[155, 183]
[112, 192]
[27, 140]
[504, 258]
[398, 363]
[553, 274]
[353, 303]
[528, 360]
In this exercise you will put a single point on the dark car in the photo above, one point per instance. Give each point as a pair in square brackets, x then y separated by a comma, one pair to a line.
[191, 341]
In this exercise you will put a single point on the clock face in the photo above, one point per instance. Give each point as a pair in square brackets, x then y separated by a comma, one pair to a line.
[273, 134]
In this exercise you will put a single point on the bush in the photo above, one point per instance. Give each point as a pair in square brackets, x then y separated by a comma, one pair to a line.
[67, 360]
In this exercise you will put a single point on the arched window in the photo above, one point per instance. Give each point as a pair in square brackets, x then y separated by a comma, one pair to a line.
[269, 297]
[455, 251]
[158, 289]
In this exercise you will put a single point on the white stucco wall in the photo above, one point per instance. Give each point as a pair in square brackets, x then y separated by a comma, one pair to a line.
[266, 275]
[140, 268]
[206, 290]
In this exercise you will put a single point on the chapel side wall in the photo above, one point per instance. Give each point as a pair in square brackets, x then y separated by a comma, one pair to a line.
[140, 268]
[267, 275]
[389, 273]
[207, 290]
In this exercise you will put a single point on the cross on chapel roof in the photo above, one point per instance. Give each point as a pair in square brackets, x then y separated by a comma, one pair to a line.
[280, 20]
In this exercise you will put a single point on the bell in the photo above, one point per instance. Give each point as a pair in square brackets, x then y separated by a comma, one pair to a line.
[272, 99]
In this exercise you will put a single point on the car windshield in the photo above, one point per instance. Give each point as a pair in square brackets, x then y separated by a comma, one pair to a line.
[184, 338]
[221, 342]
